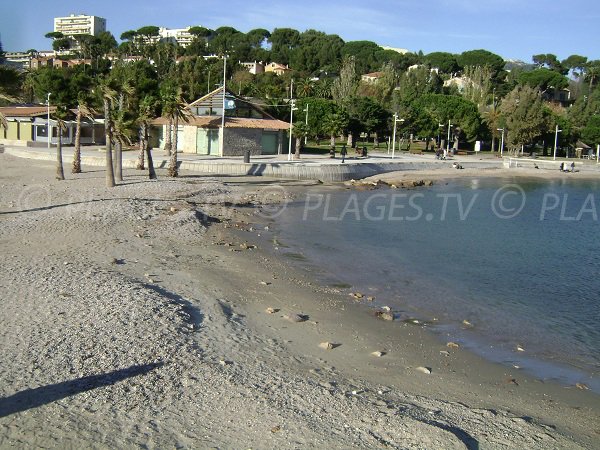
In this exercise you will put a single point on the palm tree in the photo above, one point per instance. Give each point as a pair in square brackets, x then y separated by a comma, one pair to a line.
[334, 125]
[121, 134]
[305, 87]
[83, 110]
[121, 126]
[108, 97]
[60, 115]
[300, 130]
[174, 107]
[146, 112]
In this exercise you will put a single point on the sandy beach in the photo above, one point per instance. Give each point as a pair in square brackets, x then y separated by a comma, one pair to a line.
[153, 315]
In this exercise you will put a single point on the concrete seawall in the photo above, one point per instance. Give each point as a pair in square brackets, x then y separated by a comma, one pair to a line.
[326, 171]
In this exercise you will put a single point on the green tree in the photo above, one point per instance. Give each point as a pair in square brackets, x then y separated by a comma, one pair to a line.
[283, 41]
[444, 61]
[523, 113]
[334, 124]
[481, 58]
[543, 79]
[345, 85]
[300, 131]
[108, 94]
[590, 134]
[174, 108]
[549, 61]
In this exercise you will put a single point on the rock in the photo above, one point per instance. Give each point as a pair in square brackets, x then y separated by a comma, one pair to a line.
[370, 298]
[265, 283]
[520, 349]
[444, 353]
[426, 370]
[296, 318]
[378, 354]
[328, 345]
[467, 323]
[275, 429]
[386, 308]
[224, 362]
[384, 315]
[173, 209]
[452, 345]
[582, 386]
[356, 295]
[271, 310]
[246, 246]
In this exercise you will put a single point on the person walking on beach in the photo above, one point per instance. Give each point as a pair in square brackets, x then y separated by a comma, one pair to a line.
[573, 166]
[343, 152]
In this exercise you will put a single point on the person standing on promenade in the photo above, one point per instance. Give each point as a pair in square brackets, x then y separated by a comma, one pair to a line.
[343, 152]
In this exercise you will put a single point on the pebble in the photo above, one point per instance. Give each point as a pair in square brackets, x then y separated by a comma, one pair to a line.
[422, 369]
[378, 354]
[328, 345]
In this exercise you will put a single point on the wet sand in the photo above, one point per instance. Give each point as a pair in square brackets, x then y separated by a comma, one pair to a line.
[137, 317]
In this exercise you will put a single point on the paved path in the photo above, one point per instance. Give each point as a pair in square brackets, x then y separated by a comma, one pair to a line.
[310, 167]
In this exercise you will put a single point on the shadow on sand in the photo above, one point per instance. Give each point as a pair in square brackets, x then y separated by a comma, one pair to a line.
[33, 398]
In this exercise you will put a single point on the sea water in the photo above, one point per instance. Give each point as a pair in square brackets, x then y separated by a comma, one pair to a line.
[517, 259]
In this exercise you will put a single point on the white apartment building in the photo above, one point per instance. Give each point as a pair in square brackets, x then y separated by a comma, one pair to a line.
[180, 36]
[79, 24]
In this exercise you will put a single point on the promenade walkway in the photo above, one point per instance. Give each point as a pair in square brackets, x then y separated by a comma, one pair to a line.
[309, 167]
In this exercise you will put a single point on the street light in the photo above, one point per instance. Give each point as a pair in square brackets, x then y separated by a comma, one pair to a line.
[556, 141]
[396, 120]
[292, 109]
[502, 142]
[222, 134]
[306, 137]
[48, 130]
[448, 142]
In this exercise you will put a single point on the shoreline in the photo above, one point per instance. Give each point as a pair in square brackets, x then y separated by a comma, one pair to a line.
[562, 372]
[173, 292]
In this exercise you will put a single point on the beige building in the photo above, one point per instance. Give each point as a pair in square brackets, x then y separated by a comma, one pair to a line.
[278, 69]
[79, 24]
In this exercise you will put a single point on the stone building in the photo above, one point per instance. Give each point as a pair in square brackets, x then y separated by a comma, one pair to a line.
[247, 127]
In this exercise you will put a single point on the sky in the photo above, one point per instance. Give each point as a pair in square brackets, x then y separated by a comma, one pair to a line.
[513, 29]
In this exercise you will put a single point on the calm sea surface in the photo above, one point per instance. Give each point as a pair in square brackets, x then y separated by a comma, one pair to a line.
[518, 259]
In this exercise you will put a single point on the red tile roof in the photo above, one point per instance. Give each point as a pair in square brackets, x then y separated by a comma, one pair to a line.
[25, 111]
[230, 122]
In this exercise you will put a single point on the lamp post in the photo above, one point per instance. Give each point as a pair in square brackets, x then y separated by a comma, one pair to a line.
[292, 109]
[448, 141]
[556, 141]
[502, 142]
[222, 134]
[49, 130]
[306, 121]
[396, 120]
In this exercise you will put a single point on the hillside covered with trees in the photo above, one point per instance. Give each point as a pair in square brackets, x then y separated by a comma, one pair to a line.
[476, 92]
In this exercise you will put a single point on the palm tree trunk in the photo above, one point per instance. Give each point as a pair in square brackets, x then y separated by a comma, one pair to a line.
[141, 154]
[60, 174]
[110, 175]
[332, 141]
[172, 170]
[376, 140]
[118, 160]
[151, 172]
[350, 140]
[77, 155]
[298, 147]
[493, 143]
[168, 144]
